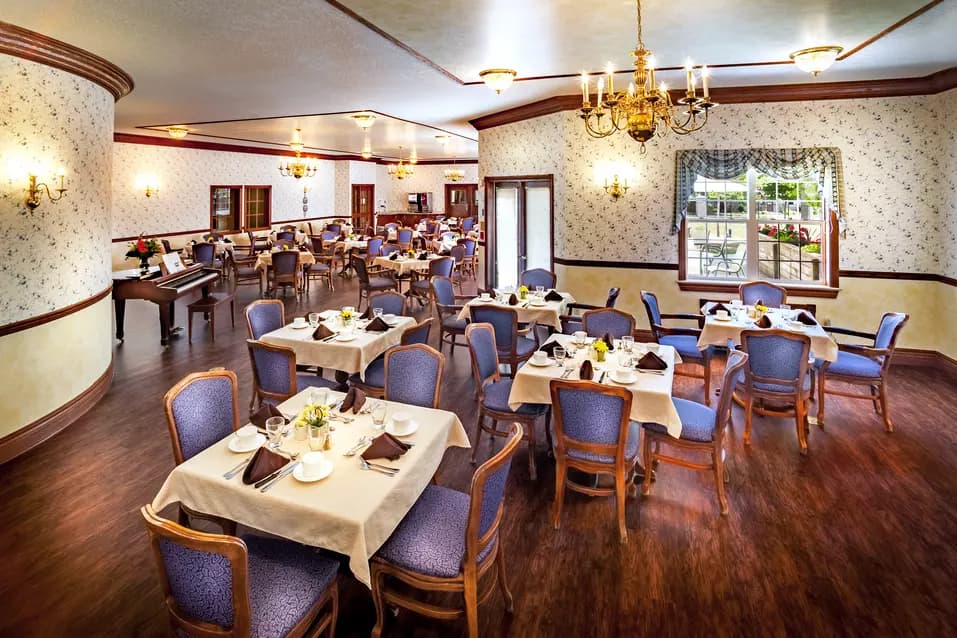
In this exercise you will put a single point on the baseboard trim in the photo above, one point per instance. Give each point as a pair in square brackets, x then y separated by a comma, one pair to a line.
[32, 435]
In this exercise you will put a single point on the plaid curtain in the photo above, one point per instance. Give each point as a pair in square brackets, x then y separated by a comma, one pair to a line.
[780, 163]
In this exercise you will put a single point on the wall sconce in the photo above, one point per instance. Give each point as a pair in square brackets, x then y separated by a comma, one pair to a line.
[151, 190]
[36, 189]
[148, 184]
[617, 188]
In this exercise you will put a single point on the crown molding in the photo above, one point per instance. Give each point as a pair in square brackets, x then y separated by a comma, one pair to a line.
[36, 47]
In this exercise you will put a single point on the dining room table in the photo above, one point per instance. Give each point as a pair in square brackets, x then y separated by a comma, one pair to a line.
[542, 312]
[404, 265]
[264, 261]
[719, 331]
[351, 511]
[222, 247]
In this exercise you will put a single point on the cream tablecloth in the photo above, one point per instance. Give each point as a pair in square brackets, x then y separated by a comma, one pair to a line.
[221, 247]
[352, 512]
[652, 392]
[348, 356]
[265, 259]
[404, 265]
[547, 315]
[349, 244]
[717, 333]
[394, 235]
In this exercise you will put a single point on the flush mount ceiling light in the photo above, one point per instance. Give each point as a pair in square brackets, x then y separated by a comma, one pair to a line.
[497, 79]
[363, 120]
[178, 132]
[816, 59]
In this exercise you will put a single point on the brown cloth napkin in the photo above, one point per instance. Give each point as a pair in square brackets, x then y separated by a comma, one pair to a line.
[394, 256]
[322, 332]
[806, 319]
[609, 341]
[263, 463]
[553, 296]
[763, 322]
[513, 300]
[759, 302]
[713, 310]
[549, 348]
[266, 411]
[367, 314]
[377, 325]
[586, 372]
[424, 255]
[385, 446]
[651, 361]
[355, 399]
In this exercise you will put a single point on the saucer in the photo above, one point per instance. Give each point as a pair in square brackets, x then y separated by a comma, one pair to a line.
[413, 426]
[296, 326]
[796, 326]
[342, 337]
[548, 361]
[723, 319]
[614, 377]
[480, 300]
[537, 302]
[323, 473]
[234, 445]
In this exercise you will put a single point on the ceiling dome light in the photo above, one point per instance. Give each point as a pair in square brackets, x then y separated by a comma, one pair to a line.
[497, 79]
[178, 132]
[363, 120]
[816, 59]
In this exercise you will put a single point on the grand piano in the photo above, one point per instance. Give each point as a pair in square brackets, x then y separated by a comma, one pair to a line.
[162, 290]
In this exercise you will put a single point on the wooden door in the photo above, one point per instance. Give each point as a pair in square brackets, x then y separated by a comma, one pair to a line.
[363, 204]
[460, 200]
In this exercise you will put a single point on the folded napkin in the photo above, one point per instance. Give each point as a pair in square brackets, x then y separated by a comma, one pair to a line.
[303, 249]
[354, 399]
[424, 255]
[263, 463]
[549, 348]
[394, 256]
[513, 300]
[342, 237]
[377, 325]
[385, 446]
[715, 308]
[759, 302]
[553, 296]
[763, 322]
[322, 332]
[806, 319]
[266, 411]
[227, 241]
[609, 341]
[651, 361]
[586, 372]
[367, 314]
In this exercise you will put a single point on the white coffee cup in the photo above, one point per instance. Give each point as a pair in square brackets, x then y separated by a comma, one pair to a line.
[625, 374]
[540, 357]
[486, 296]
[580, 336]
[312, 464]
[246, 435]
[299, 321]
[401, 422]
[722, 314]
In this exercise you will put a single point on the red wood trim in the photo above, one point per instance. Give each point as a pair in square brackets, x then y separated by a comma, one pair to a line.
[833, 250]
[39, 320]
[29, 436]
[637, 265]
[695, 285]
[911, 276]
[927, 7]
[804, 92]
[36, 47]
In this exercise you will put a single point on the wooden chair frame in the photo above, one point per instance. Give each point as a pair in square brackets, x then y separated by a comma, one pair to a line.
[258, 393]
[447, 335]
[286, 279]
[781, 289]
[620, 313]
[511, 356]
[659, 330]
[570, 309]
[364, 286]
[439, 373]
[554, 276]
[261, 302]
[244, 279]
[469, 582]
[379, 392]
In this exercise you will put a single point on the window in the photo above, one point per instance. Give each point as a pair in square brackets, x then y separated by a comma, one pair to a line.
[233, 208]
[258, 199]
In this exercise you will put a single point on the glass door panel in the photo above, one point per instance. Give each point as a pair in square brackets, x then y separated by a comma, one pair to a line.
[520, 228]
[538, 227]
[506, 235]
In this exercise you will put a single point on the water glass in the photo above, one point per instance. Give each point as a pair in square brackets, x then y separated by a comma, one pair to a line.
[559, 354]
[377, 313]
[274, 429]
[540, 291]
[627, 341]
[786, 311]
[319, 396]
[317, 437]
[314, 320]
[378, 415]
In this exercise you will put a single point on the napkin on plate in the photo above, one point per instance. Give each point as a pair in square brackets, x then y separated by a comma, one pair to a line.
[513, 300]
[553, 296]
[263, 463]
[385, 446]
[377, 325]
[354, 399]
[763, 322]
[713, 310]
[549, 348]
[367, 314]
[266, 411]
[806, 319]
[394, 256]
[322, 332]
[586, 372]
[651, 361]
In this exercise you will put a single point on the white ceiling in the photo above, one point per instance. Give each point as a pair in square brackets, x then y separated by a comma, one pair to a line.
[213, 60]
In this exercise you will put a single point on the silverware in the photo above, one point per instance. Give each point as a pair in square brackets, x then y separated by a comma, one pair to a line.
[365, 466]
[238, 468]
[270, 477]
[363, 441]
[286, 472]
[394, 470]
[601, 376]
[658, 372]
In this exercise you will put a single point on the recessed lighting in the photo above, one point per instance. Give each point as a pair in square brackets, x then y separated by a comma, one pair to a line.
[498, 79]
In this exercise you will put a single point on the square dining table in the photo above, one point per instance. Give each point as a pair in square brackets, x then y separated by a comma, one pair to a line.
[717, 332]
[403, 265]
[651, 390]
[352, 511]
[348, 356]
[546, 314]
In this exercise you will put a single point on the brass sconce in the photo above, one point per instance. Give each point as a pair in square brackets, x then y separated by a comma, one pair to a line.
[616, 189]
[36, 189]
[152, 190]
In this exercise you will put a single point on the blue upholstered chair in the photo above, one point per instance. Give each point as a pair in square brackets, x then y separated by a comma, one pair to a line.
[683, 340]
[284, 243]
[201, 409]
[512, 346]
[770, 295]
[334, 228]
[572, 323]
[387, 249]
[373, 249]
[493, 391]
[391, 302]
[286, 234]
[285, 270]
[444, 299]
[777, 371]
[538, 277]
[274, 374]
[441, 267]
[598, 323]
[370, 284]
[221, 585]
[413, 375]
[372, 380]
[702, 431]
[264, 315]
[470, 263]
[446, 543]
[205, 253]
[329, 235]
[467, 224]
[594, 434]
[403, 237]
[863, 365]
[391, 226]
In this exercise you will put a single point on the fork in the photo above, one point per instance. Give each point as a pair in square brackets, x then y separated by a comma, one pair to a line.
[365, 466]
[355, 448]
[238, 468]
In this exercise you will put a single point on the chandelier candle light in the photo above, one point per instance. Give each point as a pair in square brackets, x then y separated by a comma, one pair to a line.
[297, 168]
[645, 108]
[401, 170]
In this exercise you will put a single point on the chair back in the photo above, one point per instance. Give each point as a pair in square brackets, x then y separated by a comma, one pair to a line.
[430, 227]
[264, 315]
[290, 228]
[211, 236]
[481, 341]
[650, 300]
[612, 297]
[737, 360]
[285, 234]
[167, 247]
[419, 333]
[602, 321]
[538, 277]
[334, 228]
[391, 226]
[467, 224]
[487, 499]
[457, 254]
[359, 267]
[285, 265]
[470, 245]
[387, 249]
[891, 325]
[204, 578]
[253, 241]
[771, 295]
[328, 235]
[413, 375]
[504, 322]
[404, 237]
[284, 243]
[591, 421]
[201, 410]
[443, 295]
[375, 244]
[274, 371]
[441, 267]
[775, 357]
[204, 253]
[391, 302]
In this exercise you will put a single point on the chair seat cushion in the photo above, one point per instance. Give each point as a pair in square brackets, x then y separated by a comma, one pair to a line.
[420, 285]
[523, 347]
[496, 398]
[571, 325]
[686, 345]
[376, 283]
[318, 267]
[854, 365]
[454, 323]
[773, 387]
[314, 381]
[697, 421]
[430, 540]
[285, 581]
[374, 374]
[631, 447]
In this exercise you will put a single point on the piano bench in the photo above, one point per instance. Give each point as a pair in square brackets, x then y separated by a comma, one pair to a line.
[207, 306]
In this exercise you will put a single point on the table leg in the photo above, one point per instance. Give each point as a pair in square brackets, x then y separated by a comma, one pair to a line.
[120, 306]
[165, 315]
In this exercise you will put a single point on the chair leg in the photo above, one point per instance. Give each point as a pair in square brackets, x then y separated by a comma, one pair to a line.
[888, 426]
[748, 409]
[378, 582]
[334, 612]
[707, 381]
[478, 434]
[620, 493]
[190, 330]
[820, 400]
[559, 494]
[471, 607]
[532, 447]
[502, 582]
[800, 414]
[232, 310]
[875, 398]
[646, 461]
[212, 326]
[718, 462]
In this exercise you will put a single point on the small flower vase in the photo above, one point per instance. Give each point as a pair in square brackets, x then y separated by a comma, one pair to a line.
[522, 294]
[144, 263]
[599, 356]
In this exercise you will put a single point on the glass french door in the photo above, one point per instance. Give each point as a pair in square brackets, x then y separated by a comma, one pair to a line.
[520, 228]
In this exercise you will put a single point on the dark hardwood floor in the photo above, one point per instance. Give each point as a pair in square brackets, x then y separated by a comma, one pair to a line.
[857, 538]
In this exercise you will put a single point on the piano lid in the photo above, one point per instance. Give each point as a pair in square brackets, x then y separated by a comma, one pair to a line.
[135, 273]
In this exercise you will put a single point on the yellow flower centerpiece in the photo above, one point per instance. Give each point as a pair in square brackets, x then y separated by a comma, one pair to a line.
[314, 415]
[600, 348]
[522, 292]
[346, 316]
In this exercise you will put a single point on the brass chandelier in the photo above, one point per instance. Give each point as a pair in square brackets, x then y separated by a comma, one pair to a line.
[644, 109]
[297, 168]
[402, 170]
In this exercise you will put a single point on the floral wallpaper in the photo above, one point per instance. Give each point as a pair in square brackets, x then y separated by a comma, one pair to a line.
[893, 160]
[945, 107]
[57, 254]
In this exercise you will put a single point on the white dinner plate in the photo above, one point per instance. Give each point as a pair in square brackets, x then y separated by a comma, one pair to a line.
[326, 470]
[480, 300]
[796, 326]
[617, 379]
[548, 361]
[537, 302]
[342, 337]
[298, 327]
[413, 426]
[722, 319]
[234, 445]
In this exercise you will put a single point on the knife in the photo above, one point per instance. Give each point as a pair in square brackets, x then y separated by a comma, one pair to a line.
[270, 477]
[286, 472]
[601, 377]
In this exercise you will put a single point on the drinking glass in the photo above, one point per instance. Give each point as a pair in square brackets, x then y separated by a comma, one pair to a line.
[377, 313]
[378, 415]
[274, 428]
[317, 437]
[627, 341]
[314, 320]
[559, 354]
[580, 338]
[786, 311]
[319, 396]
[540, 291]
